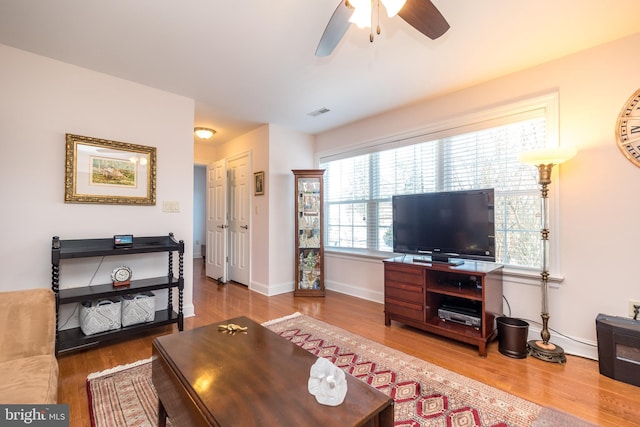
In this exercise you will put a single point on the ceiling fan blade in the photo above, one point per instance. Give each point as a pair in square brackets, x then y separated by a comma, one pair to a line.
[336, 28]
[424, 17]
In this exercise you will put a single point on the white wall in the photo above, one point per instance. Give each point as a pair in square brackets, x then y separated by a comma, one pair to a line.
[287, 150]
[203, 153]
[43, 99]
[597, 190]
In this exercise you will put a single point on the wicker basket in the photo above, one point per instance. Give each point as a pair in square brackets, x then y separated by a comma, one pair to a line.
[100, 316]
[138, 308]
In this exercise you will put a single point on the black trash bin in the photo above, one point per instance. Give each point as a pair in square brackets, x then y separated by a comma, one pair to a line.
[512, 337]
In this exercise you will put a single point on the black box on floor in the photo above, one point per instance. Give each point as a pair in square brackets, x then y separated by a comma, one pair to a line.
[619, 348]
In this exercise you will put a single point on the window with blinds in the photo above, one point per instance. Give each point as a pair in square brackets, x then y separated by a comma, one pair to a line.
[358, 188]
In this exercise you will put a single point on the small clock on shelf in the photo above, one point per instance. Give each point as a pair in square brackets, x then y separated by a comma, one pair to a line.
[121, 276]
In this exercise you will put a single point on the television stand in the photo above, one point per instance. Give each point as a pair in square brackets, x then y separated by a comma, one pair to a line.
[414, 292]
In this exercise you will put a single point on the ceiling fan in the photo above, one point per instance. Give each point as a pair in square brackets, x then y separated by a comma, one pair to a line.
[420, 14]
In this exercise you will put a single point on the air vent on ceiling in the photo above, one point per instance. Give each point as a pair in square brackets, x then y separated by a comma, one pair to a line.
[318, 112]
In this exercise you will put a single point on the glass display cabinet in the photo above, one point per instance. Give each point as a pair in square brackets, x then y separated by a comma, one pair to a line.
[309, 262]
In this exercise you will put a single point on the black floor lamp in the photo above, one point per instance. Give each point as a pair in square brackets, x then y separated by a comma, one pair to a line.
[544, 160]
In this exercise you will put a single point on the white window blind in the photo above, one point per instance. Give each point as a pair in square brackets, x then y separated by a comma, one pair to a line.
[358, 188]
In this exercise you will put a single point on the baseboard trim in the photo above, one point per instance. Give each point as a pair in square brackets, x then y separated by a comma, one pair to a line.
[272, 290]
[188, 310]
[575, 347]
[354, 291]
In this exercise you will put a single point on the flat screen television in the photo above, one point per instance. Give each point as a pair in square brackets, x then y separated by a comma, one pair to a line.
[448, 226]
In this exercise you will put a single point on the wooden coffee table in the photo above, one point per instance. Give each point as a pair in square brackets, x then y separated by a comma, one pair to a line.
[206, 377]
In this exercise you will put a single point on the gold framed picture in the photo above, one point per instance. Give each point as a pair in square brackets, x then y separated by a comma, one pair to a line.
[258, 183]
[109, 172]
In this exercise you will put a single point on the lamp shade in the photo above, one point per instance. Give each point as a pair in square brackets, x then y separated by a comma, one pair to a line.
[204, 133]
[547, 156]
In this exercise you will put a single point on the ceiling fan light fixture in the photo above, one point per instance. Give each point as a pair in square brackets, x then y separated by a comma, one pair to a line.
[422, 15]
[204, 133]
[393, 6]
[361, 14]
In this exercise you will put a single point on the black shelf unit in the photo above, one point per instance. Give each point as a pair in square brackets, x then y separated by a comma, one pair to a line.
[73, 339]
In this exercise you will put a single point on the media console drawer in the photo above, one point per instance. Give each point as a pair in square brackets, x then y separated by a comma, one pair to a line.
[404, 309]
[415, 295]
[408, 274]
[404, 292]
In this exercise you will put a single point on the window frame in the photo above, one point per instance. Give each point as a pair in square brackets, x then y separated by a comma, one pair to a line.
[464, 123]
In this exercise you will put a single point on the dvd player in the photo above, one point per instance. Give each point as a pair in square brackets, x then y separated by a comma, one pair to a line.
[463, 315]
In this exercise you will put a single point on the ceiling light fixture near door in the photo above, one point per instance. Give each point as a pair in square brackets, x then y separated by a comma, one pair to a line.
[204, 133]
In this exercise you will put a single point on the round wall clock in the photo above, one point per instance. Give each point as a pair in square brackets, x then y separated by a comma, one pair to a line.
[121, 276]
[628, 129]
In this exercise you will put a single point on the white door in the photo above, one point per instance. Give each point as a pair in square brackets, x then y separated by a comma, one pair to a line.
[217, 225]
[239, 215]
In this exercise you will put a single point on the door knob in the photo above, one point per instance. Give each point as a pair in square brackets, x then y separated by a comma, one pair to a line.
[246, 227]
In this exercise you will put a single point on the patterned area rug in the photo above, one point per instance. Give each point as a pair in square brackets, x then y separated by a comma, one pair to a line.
[123, 396]
[424, 394]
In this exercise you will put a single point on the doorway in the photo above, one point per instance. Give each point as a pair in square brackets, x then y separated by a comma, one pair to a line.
[228, 220]
[199, 210]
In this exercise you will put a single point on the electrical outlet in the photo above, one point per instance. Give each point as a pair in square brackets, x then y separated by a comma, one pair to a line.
[633, 302]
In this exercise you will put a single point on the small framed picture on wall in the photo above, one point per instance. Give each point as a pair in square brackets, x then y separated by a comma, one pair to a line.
[258, 183]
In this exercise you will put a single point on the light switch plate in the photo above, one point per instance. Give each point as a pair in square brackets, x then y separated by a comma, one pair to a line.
[171, 206]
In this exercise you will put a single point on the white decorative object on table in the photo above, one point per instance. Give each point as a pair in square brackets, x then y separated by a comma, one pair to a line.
[327, 383]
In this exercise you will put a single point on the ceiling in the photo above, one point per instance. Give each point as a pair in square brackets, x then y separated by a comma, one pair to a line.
[251, 62]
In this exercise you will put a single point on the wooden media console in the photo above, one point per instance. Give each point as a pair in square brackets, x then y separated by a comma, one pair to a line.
[414, 292]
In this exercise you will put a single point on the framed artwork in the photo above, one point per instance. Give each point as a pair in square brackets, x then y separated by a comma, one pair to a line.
[258, 183]
[109, 172]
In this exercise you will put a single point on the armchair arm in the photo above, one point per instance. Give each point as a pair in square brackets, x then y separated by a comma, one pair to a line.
[27, 323]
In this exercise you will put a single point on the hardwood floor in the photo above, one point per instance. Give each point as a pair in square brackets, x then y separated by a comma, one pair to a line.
[575, 387]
